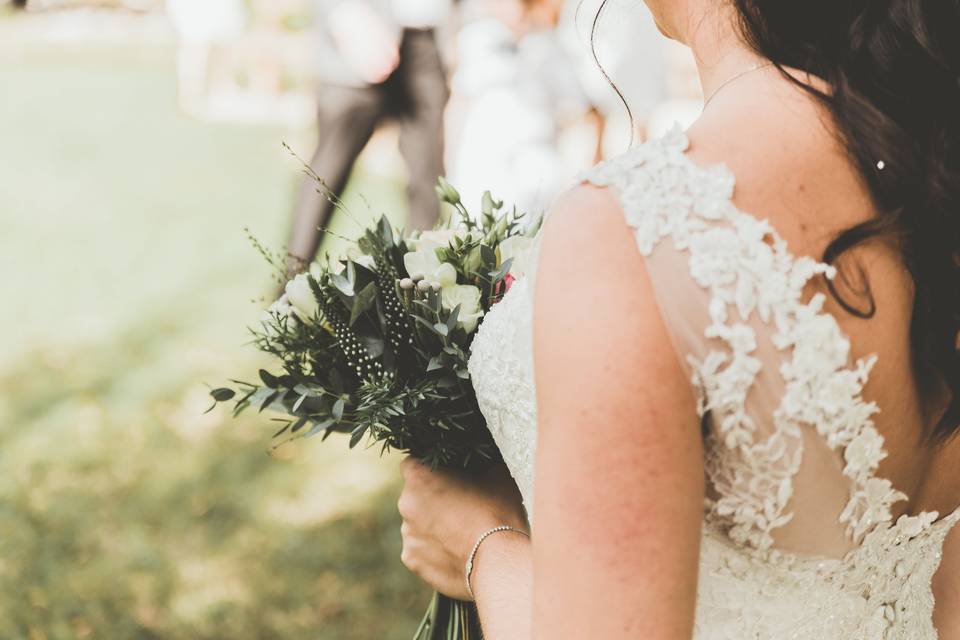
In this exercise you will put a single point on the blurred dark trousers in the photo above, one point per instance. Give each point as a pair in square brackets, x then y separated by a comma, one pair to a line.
[416, 93]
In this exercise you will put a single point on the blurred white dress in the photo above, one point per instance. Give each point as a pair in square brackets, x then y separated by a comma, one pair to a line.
[518, 93]
[798, 536]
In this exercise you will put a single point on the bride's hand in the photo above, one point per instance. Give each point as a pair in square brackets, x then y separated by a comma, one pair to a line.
[444, 513]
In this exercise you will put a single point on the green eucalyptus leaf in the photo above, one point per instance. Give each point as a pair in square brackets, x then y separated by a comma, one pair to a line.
[319, 426]
[337, 411]
[342, 284]
[363, 301]
[452, 320]
[386, 232]
[504, 269]
[486, 203]
[296, 405]
[473, 262]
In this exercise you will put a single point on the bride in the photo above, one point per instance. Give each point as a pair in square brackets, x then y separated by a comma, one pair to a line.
[746, 395]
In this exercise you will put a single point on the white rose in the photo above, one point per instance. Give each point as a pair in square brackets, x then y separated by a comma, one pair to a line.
[518, 248]
[437, 238]
[442, 237]
[467, 297]
[300, 296]
[421, 263]
[425, 264]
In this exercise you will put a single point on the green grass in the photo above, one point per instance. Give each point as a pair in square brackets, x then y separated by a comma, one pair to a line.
[127, 283]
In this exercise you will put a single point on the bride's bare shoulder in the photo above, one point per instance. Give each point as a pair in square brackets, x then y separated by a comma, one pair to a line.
[790, 164]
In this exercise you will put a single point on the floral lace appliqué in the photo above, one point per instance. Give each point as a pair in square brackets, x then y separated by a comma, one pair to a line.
[747, 269]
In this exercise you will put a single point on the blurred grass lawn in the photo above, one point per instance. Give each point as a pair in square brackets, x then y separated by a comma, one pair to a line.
[127, 284]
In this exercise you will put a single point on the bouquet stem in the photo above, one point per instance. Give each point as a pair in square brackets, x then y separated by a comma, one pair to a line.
[449, 619]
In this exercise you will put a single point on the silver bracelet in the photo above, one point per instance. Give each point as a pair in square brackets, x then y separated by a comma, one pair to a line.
[468, 570]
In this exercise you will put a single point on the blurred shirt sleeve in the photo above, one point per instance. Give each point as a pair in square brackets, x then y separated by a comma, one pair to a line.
[331, 67]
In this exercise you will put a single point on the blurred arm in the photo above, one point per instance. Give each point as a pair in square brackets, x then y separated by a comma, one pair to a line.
[364, 36]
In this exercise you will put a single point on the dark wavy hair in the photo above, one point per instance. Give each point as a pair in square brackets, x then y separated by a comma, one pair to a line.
[893, 72]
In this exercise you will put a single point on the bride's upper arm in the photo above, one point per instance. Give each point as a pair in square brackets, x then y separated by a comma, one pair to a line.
[619, 474]
[946, 589]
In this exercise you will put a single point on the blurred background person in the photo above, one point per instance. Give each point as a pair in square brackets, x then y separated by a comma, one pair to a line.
[201, 26]
[655, 77]
[378, 58]
[517, 95]
[630, 50]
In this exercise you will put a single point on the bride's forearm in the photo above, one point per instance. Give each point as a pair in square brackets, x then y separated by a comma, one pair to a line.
[502, 582]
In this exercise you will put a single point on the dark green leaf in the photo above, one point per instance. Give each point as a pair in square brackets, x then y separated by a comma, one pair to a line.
[487, 254]
[285, 427]
[222, 394]
[269, 380]
[298, 424]
[373, 344]
[269, 400]
[426, 323]
[357, 435]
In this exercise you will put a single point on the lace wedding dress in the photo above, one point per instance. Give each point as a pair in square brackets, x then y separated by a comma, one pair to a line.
[798, 538]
